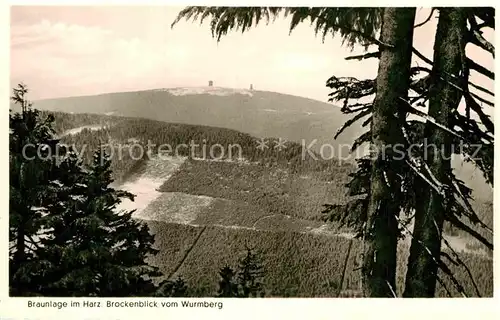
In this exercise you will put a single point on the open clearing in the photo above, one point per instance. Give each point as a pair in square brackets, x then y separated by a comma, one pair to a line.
[80, 129]
[202, 202]
[144, 184]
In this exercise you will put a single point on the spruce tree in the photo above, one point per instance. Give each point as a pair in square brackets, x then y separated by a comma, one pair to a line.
[384, 188]
[250, 274]
[93, 250]
[168, 288]
[392, 83]
[246, 281]
[227, 285]
[32, 157]
[444, 98]
[66, 236]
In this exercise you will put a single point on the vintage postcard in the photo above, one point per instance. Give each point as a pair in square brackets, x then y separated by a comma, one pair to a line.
[166, 157]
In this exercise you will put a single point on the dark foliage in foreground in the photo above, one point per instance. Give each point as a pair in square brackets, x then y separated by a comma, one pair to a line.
[66, 237]
[244, 283]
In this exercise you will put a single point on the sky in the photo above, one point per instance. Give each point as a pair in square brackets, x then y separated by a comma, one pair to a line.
[70, 51]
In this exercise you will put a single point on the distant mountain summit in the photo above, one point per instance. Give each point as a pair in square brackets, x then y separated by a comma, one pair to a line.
[217, 91]
[259, 113]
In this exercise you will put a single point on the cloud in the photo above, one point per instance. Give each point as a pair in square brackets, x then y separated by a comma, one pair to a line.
[64, 51]
[85, 58]
[106, 51]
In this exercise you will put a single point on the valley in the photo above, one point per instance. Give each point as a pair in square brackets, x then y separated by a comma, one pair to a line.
[204, 212]
[260, 114]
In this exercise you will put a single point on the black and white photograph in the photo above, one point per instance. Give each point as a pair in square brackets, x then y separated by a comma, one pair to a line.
[169, 151]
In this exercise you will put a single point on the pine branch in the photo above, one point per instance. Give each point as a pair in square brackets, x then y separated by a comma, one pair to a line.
[420, 86]
[416, 163]
[430, 119]
[479, 68]
[416, 70]
[426, 20]
[364, 56]
[439, 188]
[462, 226]
[485, 25]
[477, 39]
[436, 260]
[345, 29]
[466, 91]
[488, 73]
[469, 210]
[367, 121]
[487, 102]
[447, 256]
[487, 14]
[30, 240]
[363, 106]
[423, 80]
[462, 263]
[469, 100]
[471, 126]
[349, 88]
[450, 274]
[438, 278]
[421, 175]
[421, 56]
[469, 94]
[338, 20]
[365, 137]
[390, 288]
[351, 121]
[482, 89]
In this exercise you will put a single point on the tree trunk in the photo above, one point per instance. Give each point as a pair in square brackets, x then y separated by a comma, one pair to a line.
[20, 246]
[444, 99]
[393, 79]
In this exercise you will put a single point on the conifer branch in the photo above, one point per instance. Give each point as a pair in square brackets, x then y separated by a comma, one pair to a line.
[479, 68]
[462, 263]
[426, 20]
[469, 210]
[482, 89]
[436, 260]
[441, 282]
[430, 119]
[364, 56]
[478, 39]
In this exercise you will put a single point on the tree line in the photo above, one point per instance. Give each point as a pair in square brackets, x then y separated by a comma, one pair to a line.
[131, 135]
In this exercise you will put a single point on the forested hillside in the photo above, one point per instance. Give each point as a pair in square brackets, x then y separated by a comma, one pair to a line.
[124, 131]
[261, 114]
[269, 192]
